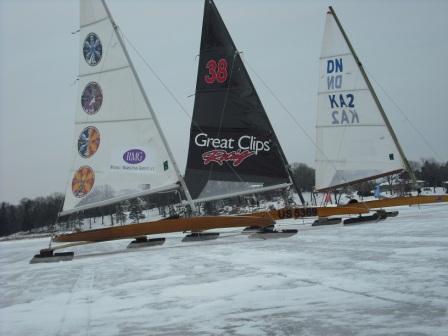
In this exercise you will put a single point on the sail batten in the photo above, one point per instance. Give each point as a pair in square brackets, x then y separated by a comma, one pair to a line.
[255, 190]
[355, 142]
[232, 143]
[94, 22]
[113, 121]
[339, 126]
[338, 91]
[104, 71]
[115, 200]
[352, 182]
[336, 55]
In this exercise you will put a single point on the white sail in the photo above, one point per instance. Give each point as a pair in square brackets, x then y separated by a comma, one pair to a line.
[118, 149]
[353, 140]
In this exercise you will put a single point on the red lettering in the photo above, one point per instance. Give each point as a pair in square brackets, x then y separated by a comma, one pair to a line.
[217, 71]
[221, 156]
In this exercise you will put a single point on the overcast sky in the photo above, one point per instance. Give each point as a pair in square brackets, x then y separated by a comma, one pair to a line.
[402, 44]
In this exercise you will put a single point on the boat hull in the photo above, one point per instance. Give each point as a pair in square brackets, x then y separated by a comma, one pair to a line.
[349, 209]
[397, 201]
[306, 212]
[194, 224]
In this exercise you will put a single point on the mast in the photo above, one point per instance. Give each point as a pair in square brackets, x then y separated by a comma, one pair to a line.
[153, 115]
[375, 98]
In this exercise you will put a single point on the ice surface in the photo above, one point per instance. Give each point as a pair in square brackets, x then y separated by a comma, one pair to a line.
[385, 278]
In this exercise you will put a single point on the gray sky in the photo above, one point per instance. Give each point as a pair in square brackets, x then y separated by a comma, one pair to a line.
[402, 44]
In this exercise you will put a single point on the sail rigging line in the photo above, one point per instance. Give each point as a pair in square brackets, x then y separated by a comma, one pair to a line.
[236, 175]
[271, 91]
[231, 171]
[143, 59]
[173, 96]
[277, 142]
[283, 106]
[180, 178]
[404, 115]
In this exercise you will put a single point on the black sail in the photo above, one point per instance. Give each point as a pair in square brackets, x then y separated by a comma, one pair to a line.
[233, 147]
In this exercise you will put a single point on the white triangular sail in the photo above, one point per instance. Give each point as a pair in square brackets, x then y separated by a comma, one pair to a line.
[353, 140]
[118, 149]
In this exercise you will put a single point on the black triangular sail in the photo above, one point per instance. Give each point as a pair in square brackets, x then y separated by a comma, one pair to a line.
[232, 144]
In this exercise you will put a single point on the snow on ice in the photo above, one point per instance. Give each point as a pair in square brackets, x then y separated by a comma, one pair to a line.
[384, 278]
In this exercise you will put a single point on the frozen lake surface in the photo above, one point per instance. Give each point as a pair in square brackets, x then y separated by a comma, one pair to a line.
[385, 278]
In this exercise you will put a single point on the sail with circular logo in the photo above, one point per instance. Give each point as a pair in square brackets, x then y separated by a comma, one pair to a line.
[118, 149]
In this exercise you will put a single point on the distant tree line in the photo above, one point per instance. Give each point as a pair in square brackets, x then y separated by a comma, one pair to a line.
[433, 173]
[33, 214]
[40, 212]
[29, 214]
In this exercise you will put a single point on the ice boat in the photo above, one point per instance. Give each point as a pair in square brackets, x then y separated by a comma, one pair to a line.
[119, 150]
[355, 139]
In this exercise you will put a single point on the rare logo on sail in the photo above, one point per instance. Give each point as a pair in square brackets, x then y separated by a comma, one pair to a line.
[82, 182]
[134, 156]
[91, 98]
[92, 49]
[88, 141]
[239, 148]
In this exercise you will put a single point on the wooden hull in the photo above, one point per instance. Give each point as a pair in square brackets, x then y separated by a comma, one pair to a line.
[305, 212]
[398, 201]
[349, 209]
[194, 224]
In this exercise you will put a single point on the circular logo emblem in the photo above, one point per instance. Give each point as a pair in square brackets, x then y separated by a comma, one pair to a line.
[88, 141]
[83, 181]
[91, 98]
[93, 50]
